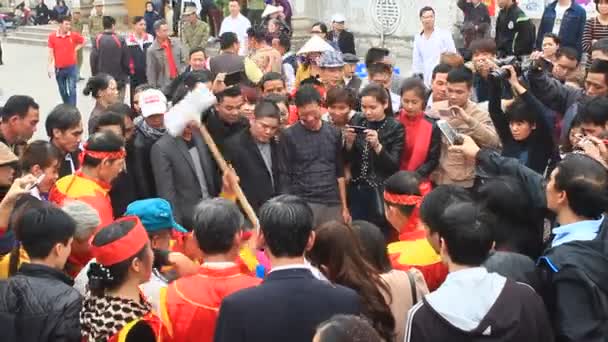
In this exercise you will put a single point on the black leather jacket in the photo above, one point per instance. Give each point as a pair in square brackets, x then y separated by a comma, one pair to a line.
[382, 165]
[39, 304]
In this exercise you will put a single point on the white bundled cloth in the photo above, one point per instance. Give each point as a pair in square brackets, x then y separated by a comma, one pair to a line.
[189, 109]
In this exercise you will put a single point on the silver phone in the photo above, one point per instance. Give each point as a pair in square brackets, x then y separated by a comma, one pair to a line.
[449, 133]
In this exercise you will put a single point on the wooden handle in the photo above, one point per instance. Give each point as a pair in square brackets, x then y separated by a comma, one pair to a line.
[221, 162]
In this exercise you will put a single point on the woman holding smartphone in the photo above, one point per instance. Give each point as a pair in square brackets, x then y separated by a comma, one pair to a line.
[374, 155]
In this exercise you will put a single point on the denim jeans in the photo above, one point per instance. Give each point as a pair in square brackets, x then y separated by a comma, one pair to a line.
[66, 81]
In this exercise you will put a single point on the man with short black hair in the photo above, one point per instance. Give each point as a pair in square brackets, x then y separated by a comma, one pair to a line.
[467, 119]
[64, 129]
[564, 99]
[273, 83]
[218, 229]
[286, 234]
[228, 61]
[237, 23]
[19, 118]
[63, 44]
[109, 54]
[315, 174]
[165, 58]
[599, 50]
[439, 85]
[473, 303]
[138, 41]
[225, 119]
[39, 301]
[565, 64]
[574, 267]
[254, 154]
[429, 45]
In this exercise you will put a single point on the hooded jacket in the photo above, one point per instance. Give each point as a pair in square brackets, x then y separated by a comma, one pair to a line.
[575, 279]
[474, 305]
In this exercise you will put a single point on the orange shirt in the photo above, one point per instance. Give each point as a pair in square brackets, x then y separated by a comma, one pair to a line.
[190, 305]
[414, 250]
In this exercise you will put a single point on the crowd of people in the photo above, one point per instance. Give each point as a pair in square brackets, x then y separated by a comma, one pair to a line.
[268, 194]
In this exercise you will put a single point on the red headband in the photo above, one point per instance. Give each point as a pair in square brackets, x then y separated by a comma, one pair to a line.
[123, 248]
[101, 154]
[402, 199]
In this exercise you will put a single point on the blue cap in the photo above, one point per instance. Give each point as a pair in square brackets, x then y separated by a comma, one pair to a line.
[155, 214]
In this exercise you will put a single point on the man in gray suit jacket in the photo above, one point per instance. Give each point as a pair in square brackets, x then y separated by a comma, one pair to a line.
[185, 173]
[159, 69]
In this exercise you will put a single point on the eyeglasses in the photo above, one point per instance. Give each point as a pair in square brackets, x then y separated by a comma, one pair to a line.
[316, 32]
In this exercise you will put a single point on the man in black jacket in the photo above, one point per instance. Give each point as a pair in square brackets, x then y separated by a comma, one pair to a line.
[291, 300]
[515, 33]
[339, 35]
[254, 154]
[39, 303]
[64, 129]
[138, 43]
[574, 267]
[110, 55]
[225, 119]
[476, 20]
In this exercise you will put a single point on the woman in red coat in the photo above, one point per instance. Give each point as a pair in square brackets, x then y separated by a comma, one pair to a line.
[422, 136]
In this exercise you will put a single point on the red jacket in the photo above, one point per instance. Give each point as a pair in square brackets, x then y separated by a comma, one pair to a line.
[190, 305]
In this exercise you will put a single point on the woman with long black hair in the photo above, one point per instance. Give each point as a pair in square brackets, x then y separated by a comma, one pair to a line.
[115, 309]
[338, 255]
[374, 152]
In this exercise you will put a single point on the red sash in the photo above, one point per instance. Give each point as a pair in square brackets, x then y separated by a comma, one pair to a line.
[418, 132]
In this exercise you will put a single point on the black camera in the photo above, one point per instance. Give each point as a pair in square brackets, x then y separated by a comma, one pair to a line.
[505, 74]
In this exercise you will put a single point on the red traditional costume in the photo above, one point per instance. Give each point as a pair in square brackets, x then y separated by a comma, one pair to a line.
[413, 249]
[190, 305]
[417, 140]
[94, 192]
[117, 319]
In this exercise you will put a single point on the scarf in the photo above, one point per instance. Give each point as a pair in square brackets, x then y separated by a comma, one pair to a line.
[147, 131]
[103, 317]
[417, 140]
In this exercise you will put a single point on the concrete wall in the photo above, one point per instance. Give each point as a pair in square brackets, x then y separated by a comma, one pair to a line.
[361, 23]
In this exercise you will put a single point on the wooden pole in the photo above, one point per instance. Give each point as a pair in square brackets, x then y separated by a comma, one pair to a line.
[221, 162]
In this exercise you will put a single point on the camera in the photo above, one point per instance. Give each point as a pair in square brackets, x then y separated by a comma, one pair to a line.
[504, 73]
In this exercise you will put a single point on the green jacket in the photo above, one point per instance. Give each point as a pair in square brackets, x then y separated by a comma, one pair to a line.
[77, 25]
[196, 35]
[95, 25]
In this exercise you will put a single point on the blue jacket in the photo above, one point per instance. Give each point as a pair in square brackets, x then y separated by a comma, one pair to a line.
[571, 30]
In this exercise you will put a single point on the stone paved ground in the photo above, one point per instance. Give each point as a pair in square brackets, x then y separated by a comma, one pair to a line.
[25, 72]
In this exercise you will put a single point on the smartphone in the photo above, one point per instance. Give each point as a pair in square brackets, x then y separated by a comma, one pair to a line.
[446, 113]
[357, 129]
[449, 132]
[36, 183]
[233, 78]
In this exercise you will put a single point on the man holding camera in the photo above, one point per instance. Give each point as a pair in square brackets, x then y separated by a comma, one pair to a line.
[514, 30]
[565, 99]
[466, 118]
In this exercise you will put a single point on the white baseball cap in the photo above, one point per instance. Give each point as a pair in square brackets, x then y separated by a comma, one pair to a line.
[152, 101]
[338, 18]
